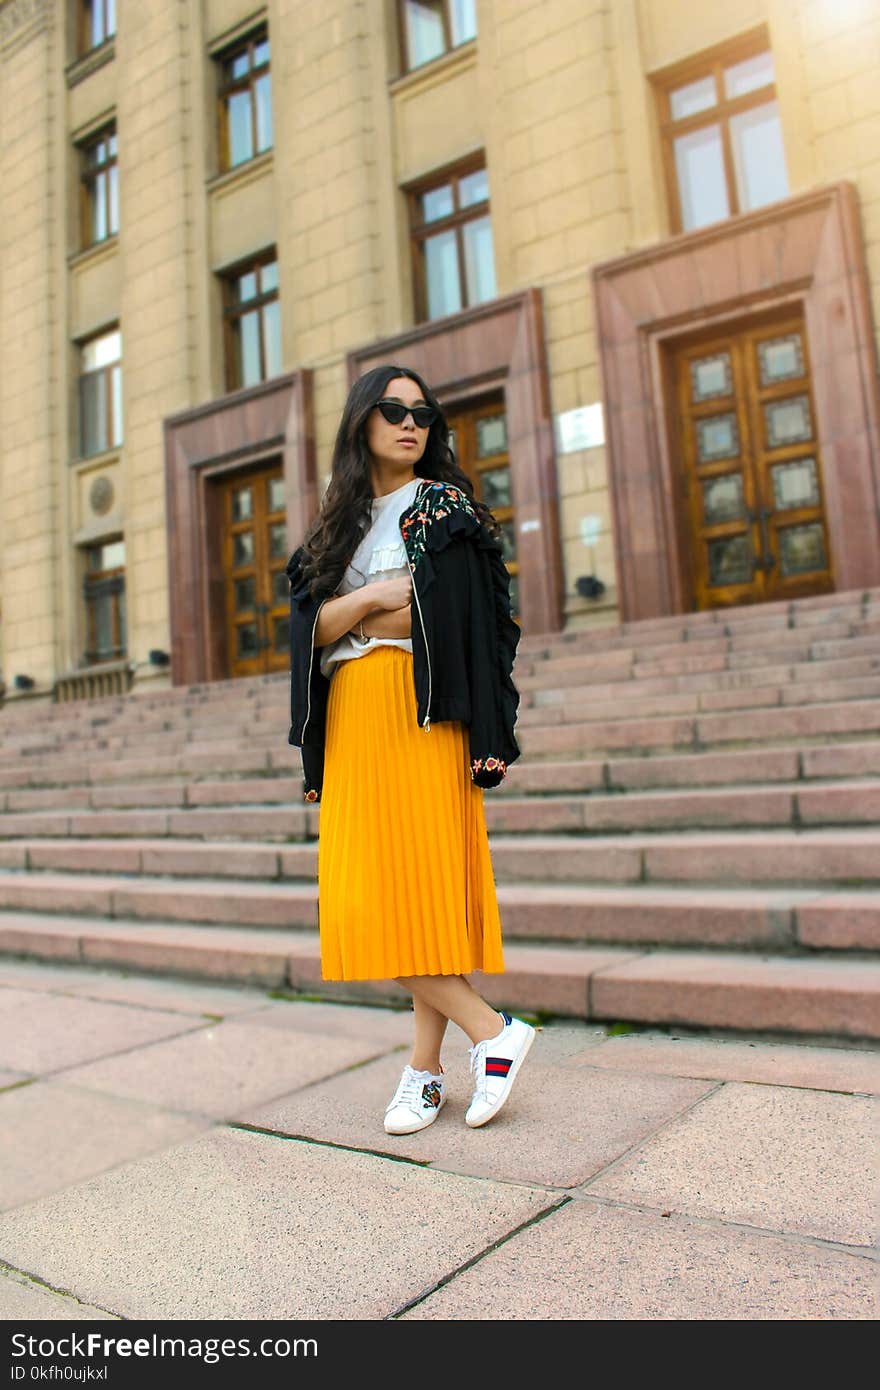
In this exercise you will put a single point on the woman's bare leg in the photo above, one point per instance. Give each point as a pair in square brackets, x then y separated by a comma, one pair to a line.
[454, 997]
[430, 1028]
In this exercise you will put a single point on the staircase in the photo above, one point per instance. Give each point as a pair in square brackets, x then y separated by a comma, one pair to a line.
[691, 837]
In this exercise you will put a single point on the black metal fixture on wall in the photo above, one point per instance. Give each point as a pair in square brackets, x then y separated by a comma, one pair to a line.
[158, 658]
[588, 586]
[23, 682]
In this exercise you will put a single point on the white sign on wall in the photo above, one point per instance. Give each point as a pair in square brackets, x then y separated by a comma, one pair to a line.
[582, 428]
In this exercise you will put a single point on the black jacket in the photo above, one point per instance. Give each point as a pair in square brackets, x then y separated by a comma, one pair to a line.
[463, 638]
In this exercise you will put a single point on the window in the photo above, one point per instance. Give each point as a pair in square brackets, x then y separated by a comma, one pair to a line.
[722, 137]
[431, 27]
[99, 184]
[104, 594]
[100, 394]
[245, 101]
[97, 23]
[452, 240]
[252, 316]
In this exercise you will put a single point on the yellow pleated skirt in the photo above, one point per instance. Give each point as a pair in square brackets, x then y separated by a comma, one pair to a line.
[405, 880]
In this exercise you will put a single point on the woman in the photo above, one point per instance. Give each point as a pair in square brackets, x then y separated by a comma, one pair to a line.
[400, 628]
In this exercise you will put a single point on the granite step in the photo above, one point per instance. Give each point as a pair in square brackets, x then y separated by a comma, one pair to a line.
[784, 804]
[584, 706]
[809, 997]
[681, 733]
[713, 675]
[842, 857]
[801, 763]
[631, 911]
[775, 857]
[797, 644]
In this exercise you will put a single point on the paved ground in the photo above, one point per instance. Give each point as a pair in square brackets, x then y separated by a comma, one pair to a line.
[174, 1150]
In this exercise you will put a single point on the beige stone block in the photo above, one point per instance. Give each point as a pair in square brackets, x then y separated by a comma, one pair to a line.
[830, 108]
[837, 56]
[589, 383]
[863, 92]
[435, 123]
[556, 211]
[597, 474]
[837, 153]
[563, 48]
[675, 29]
[311, 208]
[330, 304]
[311, 344]
[572, 482]
[538, 259]
[605, 236]
[608, 193]
[358, 326]
[869, 182]
[564, 391]
[567, 354]
[518, 151]
[602, 155]
[523, 225]
[821, 22]
[360, 292]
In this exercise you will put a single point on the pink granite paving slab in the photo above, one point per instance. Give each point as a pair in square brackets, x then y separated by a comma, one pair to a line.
[778, 1158]
[44, 1033]
[557, 1128]
[224, 1069]
[242, 1225]
[24, 1300]
[178, 996]
[52, 1135]
[776, 1064]
[387, 1028]
[592, 1262]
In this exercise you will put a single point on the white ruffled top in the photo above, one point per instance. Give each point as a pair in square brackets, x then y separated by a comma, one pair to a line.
[380, 555]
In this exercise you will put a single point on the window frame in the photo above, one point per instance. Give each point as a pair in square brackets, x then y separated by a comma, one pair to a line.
[88, 176]
[227, 87]
[96, 584]
[107, 371]
[85, 9]
[448, 46]
[420, 231]
[710, 62]
[233, 309]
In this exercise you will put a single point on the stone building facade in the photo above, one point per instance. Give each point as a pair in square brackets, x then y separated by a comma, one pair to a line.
[633, 244]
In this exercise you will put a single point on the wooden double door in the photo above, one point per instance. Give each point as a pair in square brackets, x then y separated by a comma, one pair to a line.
[754, 507]
[478, 438]
[255, 586]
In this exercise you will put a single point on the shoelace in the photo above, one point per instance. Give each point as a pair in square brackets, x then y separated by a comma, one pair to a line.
[478, 1067]
[409, 1092]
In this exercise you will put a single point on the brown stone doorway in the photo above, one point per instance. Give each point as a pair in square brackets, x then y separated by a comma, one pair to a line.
[801, 255]
[478, 436]
[252, 530]
[752, 498]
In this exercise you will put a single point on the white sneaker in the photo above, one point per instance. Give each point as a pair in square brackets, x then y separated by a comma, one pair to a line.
[416, 1103]
[495, 1063]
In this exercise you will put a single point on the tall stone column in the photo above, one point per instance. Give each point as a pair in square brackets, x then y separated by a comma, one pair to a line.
[30, 226]
[154, 119]
[326, 191]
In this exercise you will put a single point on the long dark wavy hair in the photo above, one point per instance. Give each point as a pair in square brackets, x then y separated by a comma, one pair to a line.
[345, 513]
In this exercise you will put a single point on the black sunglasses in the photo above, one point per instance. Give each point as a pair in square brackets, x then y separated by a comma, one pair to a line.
[395, 413]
